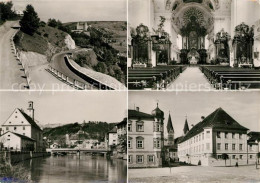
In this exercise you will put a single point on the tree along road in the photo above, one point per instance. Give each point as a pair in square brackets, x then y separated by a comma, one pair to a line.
[12, 75]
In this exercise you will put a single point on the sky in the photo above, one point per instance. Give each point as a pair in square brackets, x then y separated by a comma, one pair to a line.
[244, 107]
[77, 10]
[67, 107]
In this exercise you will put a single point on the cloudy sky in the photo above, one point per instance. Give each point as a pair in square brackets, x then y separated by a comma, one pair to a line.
[77, 10]
[244, 107]
[67, 107]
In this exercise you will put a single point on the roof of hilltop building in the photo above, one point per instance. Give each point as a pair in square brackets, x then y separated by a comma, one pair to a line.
[136, 114]
[169, 124]
[219, 119]
[30, 120]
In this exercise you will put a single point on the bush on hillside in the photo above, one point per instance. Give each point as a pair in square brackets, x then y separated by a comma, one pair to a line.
[30, 21]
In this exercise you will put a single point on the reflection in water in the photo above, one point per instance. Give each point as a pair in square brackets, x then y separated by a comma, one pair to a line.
[72, 168]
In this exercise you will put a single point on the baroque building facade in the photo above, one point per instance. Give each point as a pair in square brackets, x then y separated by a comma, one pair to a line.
[218, 134]
[145, 138]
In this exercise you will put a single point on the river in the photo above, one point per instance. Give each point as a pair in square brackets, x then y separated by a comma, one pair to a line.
[72, 168]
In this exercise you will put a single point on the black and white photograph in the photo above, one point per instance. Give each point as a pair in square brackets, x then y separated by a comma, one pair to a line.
[193, 137]
[63, 137]
[63, 45]
[193, 45]
[129, 91]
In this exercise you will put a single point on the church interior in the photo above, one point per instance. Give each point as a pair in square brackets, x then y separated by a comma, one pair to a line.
[175, 34]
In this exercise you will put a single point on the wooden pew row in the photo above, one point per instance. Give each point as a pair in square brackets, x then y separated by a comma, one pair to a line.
[142, 78]
[235, 79]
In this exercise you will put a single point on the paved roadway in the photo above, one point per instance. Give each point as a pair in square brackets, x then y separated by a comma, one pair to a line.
[59, 64]
[11, 74]
[192, 79]
[195, 174]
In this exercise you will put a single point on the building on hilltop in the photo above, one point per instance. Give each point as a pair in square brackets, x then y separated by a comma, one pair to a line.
[22, 125]
[145, 138]
[215, 135]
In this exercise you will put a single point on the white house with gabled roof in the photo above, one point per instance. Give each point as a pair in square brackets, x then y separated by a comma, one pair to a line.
[24, 124]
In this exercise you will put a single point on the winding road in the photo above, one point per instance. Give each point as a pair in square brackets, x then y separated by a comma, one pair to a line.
[11, 71]
[94, 80]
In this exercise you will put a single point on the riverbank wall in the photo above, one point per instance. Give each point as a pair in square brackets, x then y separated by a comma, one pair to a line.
[14, 157]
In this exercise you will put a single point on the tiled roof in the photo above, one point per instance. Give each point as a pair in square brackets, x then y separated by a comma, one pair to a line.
[218, 119]
[134, 114]
[169, 124]
[30, 120]
[114, 130]
[253, 136]
[124, 122]
[21, 136]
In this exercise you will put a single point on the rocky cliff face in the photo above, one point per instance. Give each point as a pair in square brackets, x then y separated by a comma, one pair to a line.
[70, 43]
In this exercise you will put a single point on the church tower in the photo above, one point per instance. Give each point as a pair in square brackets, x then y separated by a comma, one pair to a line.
[186, 127]
[170, 131]
[30, 109]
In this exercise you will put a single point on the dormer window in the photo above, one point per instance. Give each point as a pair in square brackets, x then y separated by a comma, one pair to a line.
[10, 122]
[218, 134]
[22, 122]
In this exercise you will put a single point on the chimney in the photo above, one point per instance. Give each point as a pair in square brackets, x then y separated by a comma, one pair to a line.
[30, 109]
[137, 109]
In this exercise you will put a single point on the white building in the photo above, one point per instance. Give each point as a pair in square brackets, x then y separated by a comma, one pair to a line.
[24, 124]
[113, 137]
[145, 138]
[16, 142]
[214, 136]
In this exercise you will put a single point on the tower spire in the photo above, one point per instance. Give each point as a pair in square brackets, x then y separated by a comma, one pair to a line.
[186, 126]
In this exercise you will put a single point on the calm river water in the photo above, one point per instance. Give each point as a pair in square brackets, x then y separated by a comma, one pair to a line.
[72, 168]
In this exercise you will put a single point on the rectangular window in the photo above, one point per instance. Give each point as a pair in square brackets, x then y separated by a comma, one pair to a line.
[150, 158]
[130, 158]
[233, 135]
[23, 127]
[140, 127]
[202, 147]
[218, 134]
[202, 136]
[240, 136]
[140, 144]
[218, 146]
[139, 159]
[158, 127]
[15, 128]
[251, 156]
[226, 135]
[129, 144]
[219, 156]
[240, 156]
[129, 127]
[250, 147]
[208, 146]
[240, 147]
[156, 143]
[226, 146]
[233, 146]
[208, 134]
[233, 156]
[7, 128]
